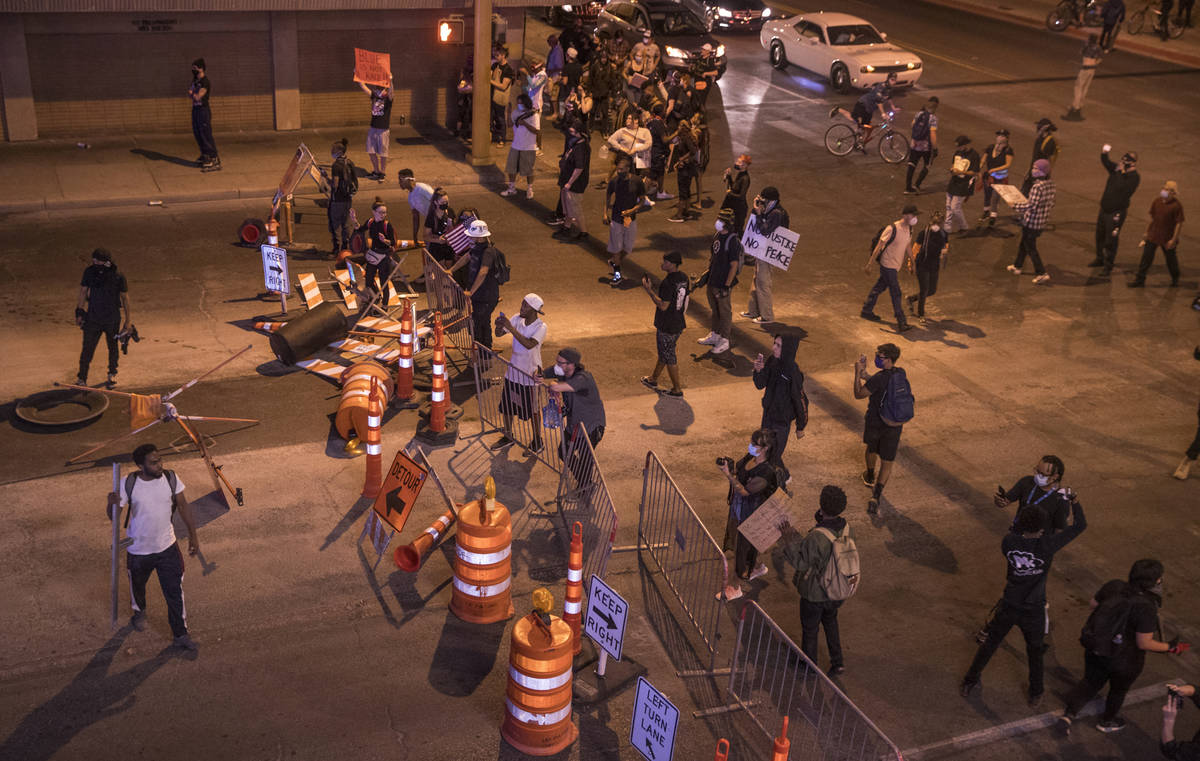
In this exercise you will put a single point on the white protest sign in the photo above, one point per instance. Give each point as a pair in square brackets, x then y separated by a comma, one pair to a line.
[762, 528]
[776, 249]
[1009, 194]
[605, 618]
[275, 269]
[655, 720]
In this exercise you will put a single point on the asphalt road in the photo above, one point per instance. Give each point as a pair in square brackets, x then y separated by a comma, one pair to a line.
[1086, 368]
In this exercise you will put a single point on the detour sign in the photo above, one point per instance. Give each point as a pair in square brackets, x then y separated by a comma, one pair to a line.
[401, 486]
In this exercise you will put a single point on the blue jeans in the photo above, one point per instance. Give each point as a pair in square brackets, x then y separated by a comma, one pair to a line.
[889, 280]
[202, 130]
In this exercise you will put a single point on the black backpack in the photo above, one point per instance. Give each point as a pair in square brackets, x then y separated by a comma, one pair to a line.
[1104, 631]
[132, 478]
[920, 127]
[878, 235]
[502, 273]
[349, 178]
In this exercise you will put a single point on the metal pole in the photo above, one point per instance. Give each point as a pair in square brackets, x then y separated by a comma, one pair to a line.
[603, 664]
[481, 99]
[116, 542]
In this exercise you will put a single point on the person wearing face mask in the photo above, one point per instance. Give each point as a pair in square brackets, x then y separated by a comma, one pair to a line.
[573, 385]
[929, 250]
[723, 266]
[891, 250]
[810, 555]
[1035, 214]
[103, 296]
[737, 184]
[1136, 601]
[381, 237]
[1028, 552]
[670, 308]
[573, 167]
[964, 169]
[1041, 489]
[997, 161]
[752, 480]
[343, 184]
[1123, 180]
[198, 92]
[1166, 225]
[923, 147]
[1045, 148]
[881, 437]
[784, 401]
[439, 221]
[626, 194]
[768, 215]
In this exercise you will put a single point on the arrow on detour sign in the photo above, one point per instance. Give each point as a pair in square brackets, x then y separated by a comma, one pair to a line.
[401, 487]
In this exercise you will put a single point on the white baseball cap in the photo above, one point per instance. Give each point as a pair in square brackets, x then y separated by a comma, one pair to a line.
[478, 229]
[535, 302]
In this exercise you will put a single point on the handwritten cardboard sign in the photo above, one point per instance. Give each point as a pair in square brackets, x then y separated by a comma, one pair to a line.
[372, 68]
[776, 249]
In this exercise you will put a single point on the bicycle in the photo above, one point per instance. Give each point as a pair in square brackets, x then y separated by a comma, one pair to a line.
[1075, 13]
[1137, 21]
[841, 139]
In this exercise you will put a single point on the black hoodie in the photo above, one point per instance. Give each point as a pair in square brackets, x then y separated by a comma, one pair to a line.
[784, 399]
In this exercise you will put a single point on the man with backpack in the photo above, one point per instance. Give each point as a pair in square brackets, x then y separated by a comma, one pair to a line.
[1045, 146]
[891, 247]
[923, 146]
[153, 495]
[343, 184]
[827, 573]
[890, 406]
[1119, 631]
[1028, 552]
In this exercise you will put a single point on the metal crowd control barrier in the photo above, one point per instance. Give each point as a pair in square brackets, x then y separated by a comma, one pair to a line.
[583, 496]
[691, 561]
[770, 678]
[501, 406]
[443, 294]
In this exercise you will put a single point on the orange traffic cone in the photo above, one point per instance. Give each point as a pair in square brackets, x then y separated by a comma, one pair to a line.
[722, 750]
[573, 603]
[269, 327]
[410, 556]
[404, 363]
[374, 441]
[782, 745]
[437, 395]
[272, 231]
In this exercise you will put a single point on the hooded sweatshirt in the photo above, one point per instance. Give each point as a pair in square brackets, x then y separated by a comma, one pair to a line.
[811, 554]
[784, 399]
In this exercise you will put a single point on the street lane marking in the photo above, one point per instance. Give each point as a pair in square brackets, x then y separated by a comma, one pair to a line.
[956, 62]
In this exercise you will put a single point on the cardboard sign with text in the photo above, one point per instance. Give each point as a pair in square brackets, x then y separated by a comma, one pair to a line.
[776, 249]
[762, 527]
[372, 68]
[401, 487]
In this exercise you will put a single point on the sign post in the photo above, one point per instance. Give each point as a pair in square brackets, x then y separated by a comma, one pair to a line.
[655, 720]
[275, 273]
[776, 249]
[401, 487]
[604, 623]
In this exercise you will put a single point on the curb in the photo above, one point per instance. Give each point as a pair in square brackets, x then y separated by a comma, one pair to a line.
[1125, 44]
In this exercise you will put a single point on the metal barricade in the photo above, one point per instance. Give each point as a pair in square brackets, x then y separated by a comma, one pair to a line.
[443, 294]
[513, 402]
[583, 496]
[692, 563]
[770, 678]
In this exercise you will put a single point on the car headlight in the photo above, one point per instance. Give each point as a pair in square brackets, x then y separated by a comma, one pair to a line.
[724, 13]
[766, 13]
[867, 69]
[676, 53]
[914, 65]
[720, 51]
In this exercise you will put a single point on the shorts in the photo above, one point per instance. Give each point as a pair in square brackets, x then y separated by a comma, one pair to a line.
[883, 440]
[620, 237]
[666, 346]
[378, 140]
[520, 162]
[518, 400]
[861, 114]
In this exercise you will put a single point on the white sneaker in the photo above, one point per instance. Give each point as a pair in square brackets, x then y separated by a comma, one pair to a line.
[650, 203]
[529, 192]
[746, 314]
[1184, 469]
[509, 191]
[709, 340]
[761, 320]
[1013, 269]
[1043, 278]
[664, 196]
[759, 571]
[729, 593]
[721, 346]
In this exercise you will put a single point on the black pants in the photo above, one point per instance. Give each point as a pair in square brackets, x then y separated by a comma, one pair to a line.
[1193, 451]
[383, 270]
[1185, 12]
[814, 615]
[1028, 247]
[1148, 259]
[91, 337]
[464, 115]
[339, 225]
[578, 469]
[927, 282]
[913, 158]
[740, 209]
[1108, 235]
[499, 128]
[1118, 673]
[202, 129]
[169, 564]
[481, 319]
[685, 174]
[889, 280]
[1108, 35]
[781, 431]
[1032, 622]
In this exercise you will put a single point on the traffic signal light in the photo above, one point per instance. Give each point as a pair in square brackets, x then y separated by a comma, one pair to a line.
[452, 30]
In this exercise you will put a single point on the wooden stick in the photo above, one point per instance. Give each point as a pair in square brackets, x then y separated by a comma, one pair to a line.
[198, 378]
[89, 388]
[220, 419]
[113, 441]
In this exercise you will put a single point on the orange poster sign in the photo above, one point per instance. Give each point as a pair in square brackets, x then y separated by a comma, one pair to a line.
[372, 68]
[401, 487]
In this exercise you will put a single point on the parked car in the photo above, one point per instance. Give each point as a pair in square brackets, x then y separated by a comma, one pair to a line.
[847, 49]
[562, 15]
[680, 27]
[739, 14]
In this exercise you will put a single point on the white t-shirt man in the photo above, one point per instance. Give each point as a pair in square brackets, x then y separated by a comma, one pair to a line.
[526, 360]
[420, 197]
[525, 139]
[150, 525]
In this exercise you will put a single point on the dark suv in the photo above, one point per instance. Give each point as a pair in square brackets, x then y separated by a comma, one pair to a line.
[680, 27]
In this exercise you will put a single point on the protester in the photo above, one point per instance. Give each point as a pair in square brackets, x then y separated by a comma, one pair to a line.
[1035, 214]
[929, 251]
[724, 264]
[1166, 225]
[438, 222]
[1042, 489]
[1122, 183]
[737, 184]
[811, 556]
[484, 289]
[153, 496]
[520, 397]
[625, 196]
[635, 141]
[573, 167]
[1045, 148]
[1113, 14]
[1089, 61]
[784, 401]
[882, 427]
[1177, 750]
[574, 385]
[752, 480]
[103, 296]
[420, 195]
[381, 242]
[964, 170]
[660, 151]
[1121, 629]
[199, 92]
[685, 155]
[501, 81]
[892, 250]
[343, 184]
[379, 134]
[1193, 451]
[522, 154]
[997, 161]
[769, 216]
[535, 80]
[465, 89]
[670, 307]
[923, 147]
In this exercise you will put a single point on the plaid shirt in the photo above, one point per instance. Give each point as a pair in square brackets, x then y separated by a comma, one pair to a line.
[1036, 212]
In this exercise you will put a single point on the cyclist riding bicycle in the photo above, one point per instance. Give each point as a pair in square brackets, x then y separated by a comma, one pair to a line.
[878, 98]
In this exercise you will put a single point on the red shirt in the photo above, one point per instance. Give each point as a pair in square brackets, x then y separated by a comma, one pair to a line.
[1165, 216]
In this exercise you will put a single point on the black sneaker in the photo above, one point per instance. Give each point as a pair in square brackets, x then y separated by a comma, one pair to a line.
[186, 642]
[138, 620]
[672, 392]
[1063, 725]
[649, 383]
[870, 316]
[837, 670]
[1096, 263]
[872, 506]
[967, 687]
[502, 443]
[904, 326]
[1137, 284]
[1115, 724]
[1035, 700]
[868, 478]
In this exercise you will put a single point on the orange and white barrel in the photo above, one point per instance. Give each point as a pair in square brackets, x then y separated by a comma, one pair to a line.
[356, 389]
[483, 561]
[537, 701]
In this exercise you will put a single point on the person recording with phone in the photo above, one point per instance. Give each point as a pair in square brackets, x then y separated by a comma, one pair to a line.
[1044, 489]
[752, 480]
[1176, 750]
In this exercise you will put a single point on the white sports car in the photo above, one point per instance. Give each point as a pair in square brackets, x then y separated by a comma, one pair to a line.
[845, 48]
